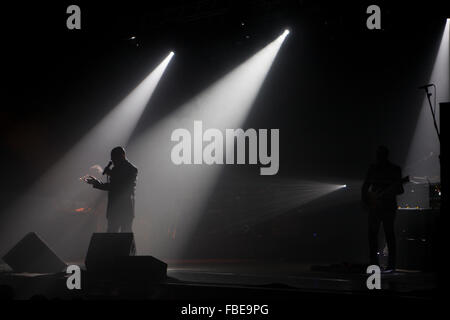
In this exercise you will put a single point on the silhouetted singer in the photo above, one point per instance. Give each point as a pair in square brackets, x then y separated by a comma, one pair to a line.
[382, 184]
[120, 187]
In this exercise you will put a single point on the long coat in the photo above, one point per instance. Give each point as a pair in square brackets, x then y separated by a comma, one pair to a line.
[121, 187]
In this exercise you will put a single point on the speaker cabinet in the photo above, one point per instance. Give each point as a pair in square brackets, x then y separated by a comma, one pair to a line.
[32, 254]
[140, 268]
[106, 248]
[111, 257]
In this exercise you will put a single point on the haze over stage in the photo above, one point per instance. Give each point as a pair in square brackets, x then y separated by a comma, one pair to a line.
[326, 89]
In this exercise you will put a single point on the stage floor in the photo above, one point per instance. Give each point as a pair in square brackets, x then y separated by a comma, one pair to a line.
[331, 278]
[288, 277]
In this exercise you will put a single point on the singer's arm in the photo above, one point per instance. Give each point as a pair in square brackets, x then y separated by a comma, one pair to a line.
[102, 186]
[98, 184]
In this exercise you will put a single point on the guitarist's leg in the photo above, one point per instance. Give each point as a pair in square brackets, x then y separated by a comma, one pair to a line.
[374, 227]
[388, 226]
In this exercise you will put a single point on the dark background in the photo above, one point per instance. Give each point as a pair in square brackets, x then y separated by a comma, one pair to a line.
[335, 91]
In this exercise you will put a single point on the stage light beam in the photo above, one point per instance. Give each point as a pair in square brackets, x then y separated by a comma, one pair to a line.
[424, 149]
[166, 190]
[61, 182]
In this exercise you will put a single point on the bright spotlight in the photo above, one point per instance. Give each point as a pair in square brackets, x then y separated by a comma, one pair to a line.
[171, 53]
[286, 32]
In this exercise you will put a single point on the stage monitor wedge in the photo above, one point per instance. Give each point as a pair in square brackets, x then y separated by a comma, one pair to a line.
[33, 255]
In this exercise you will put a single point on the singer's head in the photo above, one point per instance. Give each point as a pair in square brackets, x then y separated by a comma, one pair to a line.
[118, 155]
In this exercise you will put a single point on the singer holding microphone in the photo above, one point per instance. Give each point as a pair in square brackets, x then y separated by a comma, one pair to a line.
[120, 186]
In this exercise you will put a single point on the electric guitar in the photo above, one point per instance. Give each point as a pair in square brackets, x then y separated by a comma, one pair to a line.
[375, 198]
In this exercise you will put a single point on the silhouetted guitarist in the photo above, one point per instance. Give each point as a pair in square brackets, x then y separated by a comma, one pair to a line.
[381, 186]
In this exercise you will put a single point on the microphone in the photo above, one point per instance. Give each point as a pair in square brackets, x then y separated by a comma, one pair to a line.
[107, 167]
[426, 86]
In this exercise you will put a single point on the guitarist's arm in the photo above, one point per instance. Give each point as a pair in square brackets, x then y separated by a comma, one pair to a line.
[399, 189]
